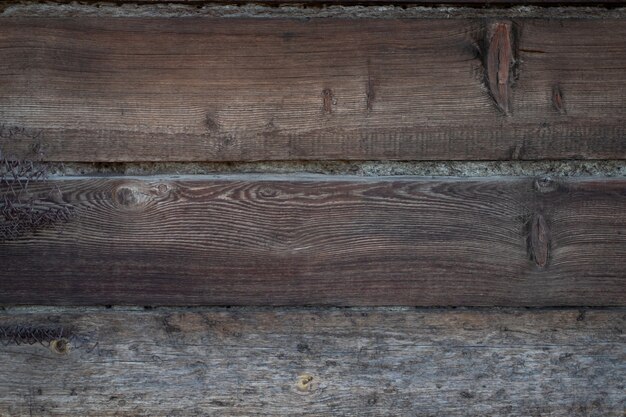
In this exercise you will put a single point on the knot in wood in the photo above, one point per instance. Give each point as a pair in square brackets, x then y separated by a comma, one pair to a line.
[545, 185]
[305, 383]
[267, 192]
[162, 189]
[60, 346]
[131, 196]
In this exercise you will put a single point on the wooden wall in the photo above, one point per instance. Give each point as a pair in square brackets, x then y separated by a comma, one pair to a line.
[377, 296]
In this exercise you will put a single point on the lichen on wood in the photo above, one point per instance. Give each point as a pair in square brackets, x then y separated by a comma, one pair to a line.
[22, 212]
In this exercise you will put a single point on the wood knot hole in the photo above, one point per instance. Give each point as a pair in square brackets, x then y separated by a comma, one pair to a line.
[267, 192]
[131, 197]
[60, 346]
[126, 197]
[545, 185]
[305, 383]
[162, 189]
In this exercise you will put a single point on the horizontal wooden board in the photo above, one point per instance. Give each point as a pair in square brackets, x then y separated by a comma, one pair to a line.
[239, 240]
[467, 3]
[221, 89]
[290, 362]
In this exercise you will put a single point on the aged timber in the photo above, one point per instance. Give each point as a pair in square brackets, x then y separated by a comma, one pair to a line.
[465, 3]
[104, 89]
[314, 362]
[263, 240]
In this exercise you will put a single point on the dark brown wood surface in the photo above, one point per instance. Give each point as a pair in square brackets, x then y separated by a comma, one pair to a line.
[312, 362]
[241, 240]
[189, 89]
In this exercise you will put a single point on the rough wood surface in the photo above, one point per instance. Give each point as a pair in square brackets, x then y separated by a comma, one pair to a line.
[310, 362]
[104, 89]
[237, 240]
[469, 3]
[466, 3]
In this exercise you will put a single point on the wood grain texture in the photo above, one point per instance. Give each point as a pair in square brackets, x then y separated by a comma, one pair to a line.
[465, 3]
[240, 240]
[310, 362]
[210, 89]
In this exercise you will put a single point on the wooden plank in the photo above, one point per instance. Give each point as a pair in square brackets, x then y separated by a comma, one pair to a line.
[287, 362]
[211, 89]
[467, 3]
[240, 240]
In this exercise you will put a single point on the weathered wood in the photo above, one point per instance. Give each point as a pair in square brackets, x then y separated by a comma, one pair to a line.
[466, 3]
[238, 240]
[129, 89]
[310, 362]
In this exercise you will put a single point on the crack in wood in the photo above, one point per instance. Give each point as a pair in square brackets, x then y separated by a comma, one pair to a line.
[539, 240]
[327, 97]
[557, 99]
[499, 64]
